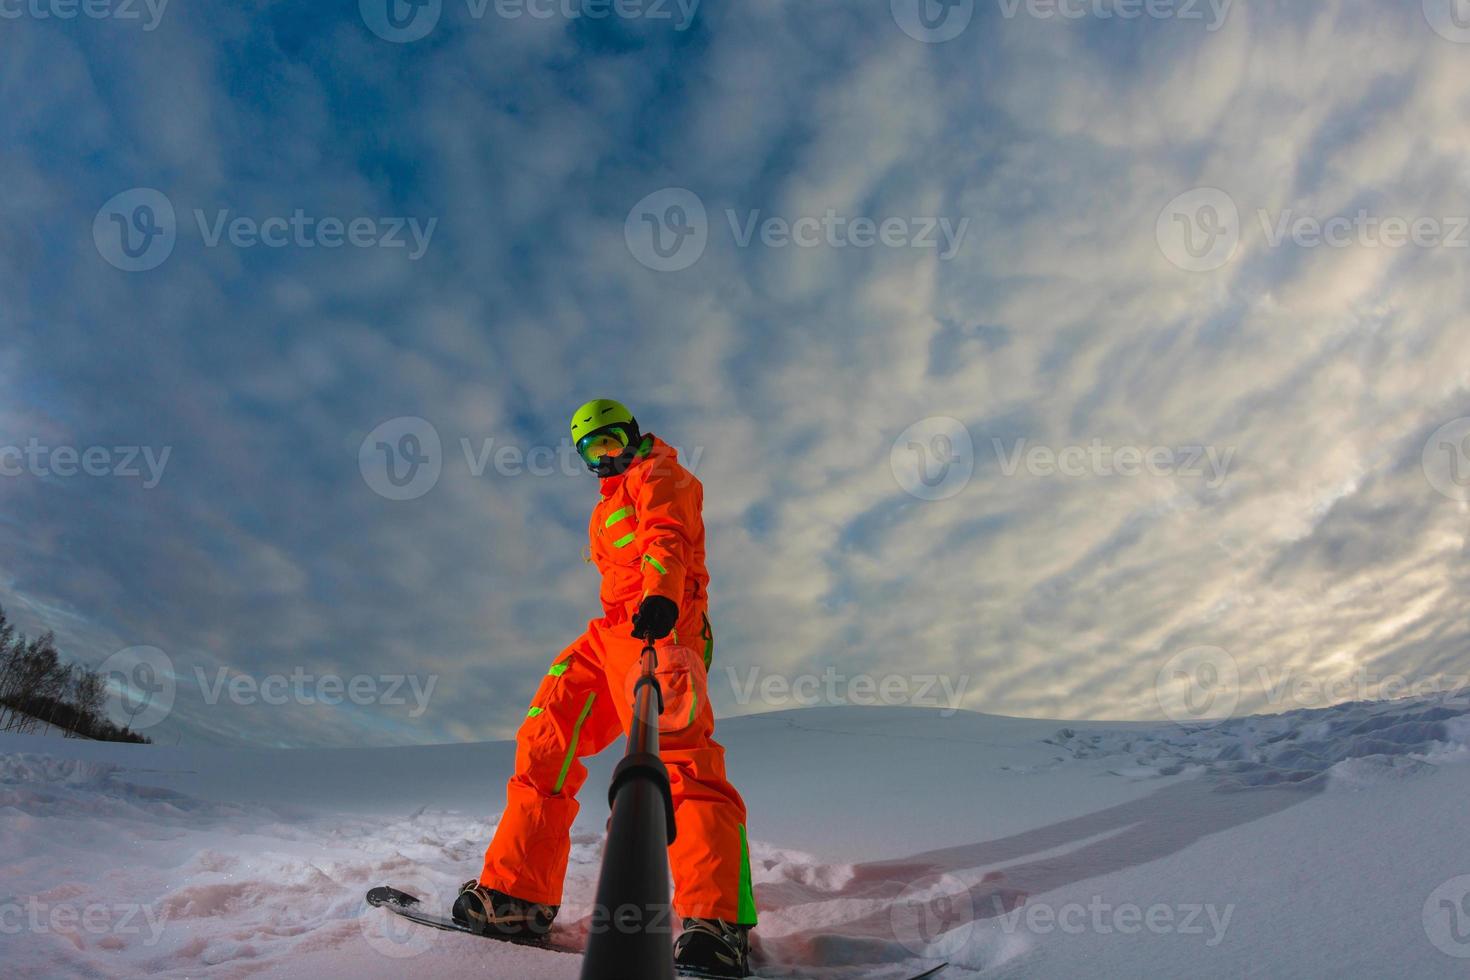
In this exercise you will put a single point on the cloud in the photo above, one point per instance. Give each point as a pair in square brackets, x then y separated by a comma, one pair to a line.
[788, 371]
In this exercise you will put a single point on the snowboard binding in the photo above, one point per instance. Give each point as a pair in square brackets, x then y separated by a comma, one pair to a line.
[494, 913]
[714, 947]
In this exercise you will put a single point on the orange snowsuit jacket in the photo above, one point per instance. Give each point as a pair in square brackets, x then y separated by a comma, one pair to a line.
[664, 502]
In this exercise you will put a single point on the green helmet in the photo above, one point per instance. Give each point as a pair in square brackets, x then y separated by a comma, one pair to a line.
[602, 431]
[596, 414]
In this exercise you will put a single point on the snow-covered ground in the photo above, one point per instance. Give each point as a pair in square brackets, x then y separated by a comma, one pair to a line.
[1327, 843]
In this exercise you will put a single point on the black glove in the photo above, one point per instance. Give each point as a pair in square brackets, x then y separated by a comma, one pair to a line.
[655, 618]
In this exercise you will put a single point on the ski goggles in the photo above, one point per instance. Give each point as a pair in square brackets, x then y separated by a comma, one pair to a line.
[604, 442]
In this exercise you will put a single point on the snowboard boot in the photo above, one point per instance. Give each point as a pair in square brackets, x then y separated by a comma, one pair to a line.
[495, 913]
[714, 947]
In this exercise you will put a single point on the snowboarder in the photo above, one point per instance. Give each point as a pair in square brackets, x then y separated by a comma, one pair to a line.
[647, 540]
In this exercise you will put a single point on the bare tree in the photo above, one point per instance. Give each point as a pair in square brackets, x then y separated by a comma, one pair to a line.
[36, 687]
[9, 666]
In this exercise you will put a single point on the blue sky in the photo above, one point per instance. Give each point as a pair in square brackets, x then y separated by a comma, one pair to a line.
[1060, 153]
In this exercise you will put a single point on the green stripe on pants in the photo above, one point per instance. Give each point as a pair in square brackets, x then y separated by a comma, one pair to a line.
[566, 764]
[747, 893]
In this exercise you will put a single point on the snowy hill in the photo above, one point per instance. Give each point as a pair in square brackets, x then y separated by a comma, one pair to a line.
[1310, 844]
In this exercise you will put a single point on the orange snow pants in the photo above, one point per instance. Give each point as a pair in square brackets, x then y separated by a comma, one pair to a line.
[585, 703]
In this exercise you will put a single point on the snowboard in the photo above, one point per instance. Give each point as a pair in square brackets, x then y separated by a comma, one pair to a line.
[564, 941]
